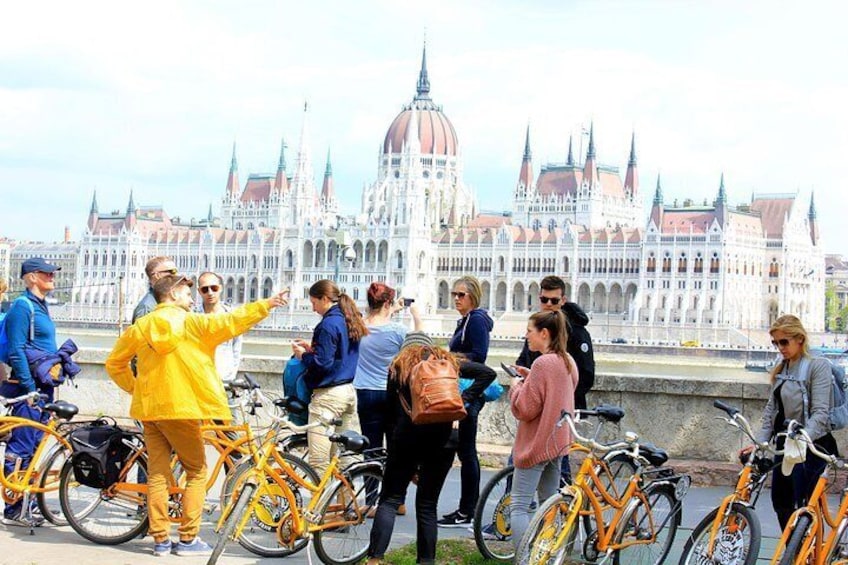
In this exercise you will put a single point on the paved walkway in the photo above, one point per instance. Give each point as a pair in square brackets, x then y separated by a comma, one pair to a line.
[62, 546]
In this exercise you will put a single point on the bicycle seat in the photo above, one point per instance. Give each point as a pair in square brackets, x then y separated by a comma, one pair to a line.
[64, 410]
[291, 405]
[351, 441]
[609, 413]
[244, 382]
[653, 454]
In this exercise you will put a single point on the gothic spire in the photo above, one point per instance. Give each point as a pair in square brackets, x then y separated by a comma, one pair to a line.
[93, 203]
[632, 161]
[525, 177]
[423, 80]
[812, 213]
[232, 179]
[570, 160]
[631, 179]
[658, 194]
[209, 217]
[327, 191]
[131, 205]
[722, 194]
[281, 182]
[527, 154]
[590, 154]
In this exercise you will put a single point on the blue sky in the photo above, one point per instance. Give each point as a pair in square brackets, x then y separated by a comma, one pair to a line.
[150, 97]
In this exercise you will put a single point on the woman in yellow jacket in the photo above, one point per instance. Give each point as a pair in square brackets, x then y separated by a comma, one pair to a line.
[176, 387]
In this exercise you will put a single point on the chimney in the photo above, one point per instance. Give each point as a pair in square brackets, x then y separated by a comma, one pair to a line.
[67, 234]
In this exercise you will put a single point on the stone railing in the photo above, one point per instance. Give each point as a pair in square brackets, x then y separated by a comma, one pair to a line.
[672, 412]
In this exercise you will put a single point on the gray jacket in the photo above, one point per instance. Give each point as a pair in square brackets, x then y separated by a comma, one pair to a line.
[819, 384]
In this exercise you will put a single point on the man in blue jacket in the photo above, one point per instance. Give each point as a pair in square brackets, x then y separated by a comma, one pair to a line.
[28, 321]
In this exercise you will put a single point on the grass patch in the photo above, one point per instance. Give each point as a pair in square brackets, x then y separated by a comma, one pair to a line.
[448, 552]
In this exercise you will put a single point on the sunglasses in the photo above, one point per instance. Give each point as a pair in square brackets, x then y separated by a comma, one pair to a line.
[553, 300]
[210, 288]
[459, 294]
[780, 342]
[167, 271]
[46, 274]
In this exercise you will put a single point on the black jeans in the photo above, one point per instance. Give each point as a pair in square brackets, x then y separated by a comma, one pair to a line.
[467, 453]
[792, 492]
[432, 465]
[371, 407]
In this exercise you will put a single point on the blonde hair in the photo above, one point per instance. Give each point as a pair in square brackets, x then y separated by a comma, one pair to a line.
[4, 286]
[472, 285]
[794, 329]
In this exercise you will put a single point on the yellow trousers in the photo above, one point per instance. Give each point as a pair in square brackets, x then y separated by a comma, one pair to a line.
[183, 437]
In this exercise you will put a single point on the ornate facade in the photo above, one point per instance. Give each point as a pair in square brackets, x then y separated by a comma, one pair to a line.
[418, 228]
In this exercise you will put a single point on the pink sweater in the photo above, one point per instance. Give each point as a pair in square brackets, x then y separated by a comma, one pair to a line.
[537, 404]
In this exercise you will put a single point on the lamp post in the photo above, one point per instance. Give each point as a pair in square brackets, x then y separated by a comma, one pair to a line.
[343, 249]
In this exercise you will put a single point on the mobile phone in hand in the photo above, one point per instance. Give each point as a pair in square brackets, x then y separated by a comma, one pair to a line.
[407, 302]
[510, 370]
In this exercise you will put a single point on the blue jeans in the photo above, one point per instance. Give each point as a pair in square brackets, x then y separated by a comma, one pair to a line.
[371, 407]
[22, 446]
[543, 478]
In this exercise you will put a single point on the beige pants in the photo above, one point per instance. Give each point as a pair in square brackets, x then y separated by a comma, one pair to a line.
[183, 437]
[333, 402]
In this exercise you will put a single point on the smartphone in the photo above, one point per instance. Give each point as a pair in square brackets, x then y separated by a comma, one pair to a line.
[510, 370]
[407, 302]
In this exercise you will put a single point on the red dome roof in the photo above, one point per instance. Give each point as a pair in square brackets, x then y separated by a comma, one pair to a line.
[435, 131]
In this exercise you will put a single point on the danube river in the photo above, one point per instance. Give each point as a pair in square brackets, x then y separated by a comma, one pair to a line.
[609, 359]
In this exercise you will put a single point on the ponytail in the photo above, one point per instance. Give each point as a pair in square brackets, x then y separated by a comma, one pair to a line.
[356, 328]
[557, 327]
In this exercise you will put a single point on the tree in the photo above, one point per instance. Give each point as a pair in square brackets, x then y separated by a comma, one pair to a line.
[832, 309]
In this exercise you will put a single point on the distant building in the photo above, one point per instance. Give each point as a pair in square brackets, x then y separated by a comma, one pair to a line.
[63, 254]
[685, 266]
[836, 269]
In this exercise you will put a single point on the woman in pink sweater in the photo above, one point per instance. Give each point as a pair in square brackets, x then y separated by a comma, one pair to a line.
[537, 399]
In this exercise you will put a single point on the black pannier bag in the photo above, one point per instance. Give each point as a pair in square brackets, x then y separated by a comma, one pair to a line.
[99, 454]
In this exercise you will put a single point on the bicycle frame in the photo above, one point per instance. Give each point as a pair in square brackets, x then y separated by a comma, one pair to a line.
[26, 482]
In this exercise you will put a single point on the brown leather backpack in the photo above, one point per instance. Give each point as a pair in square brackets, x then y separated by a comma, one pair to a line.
[434, 389]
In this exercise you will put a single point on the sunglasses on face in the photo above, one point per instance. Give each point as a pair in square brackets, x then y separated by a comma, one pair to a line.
[553, 300]
[210, 288]
[167, 271]
[780, 342]
[46, 274]
[460, 295]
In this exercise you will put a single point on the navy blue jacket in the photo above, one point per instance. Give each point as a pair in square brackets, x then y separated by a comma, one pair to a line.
[471, 337]
[17, 330]
[334, 356]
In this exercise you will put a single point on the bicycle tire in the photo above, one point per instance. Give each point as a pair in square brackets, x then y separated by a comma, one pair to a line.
[635, 521]
[544, 527]
[493, 515]
[231, 522]
[837, 554]
[50, 473]
[100, 515]
[796, 540]
[730, 548]
[362, 479]
[615, 478]
[295, 444]
[259, 536]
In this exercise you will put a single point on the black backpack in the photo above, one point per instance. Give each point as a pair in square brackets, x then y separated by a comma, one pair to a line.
[99, 453]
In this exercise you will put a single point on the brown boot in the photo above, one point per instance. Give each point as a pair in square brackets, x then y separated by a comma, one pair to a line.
[401, 511]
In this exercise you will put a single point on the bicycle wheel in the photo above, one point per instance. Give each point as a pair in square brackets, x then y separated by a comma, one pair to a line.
[491, 525]
[737, 540]
[268, 532]
[49, 476]
[348, 542]
[838, 552]
[546, 541]
[658, 522]
[613, 476]
[109, 516]
[295, 444]
[236, 511]
[796, 540]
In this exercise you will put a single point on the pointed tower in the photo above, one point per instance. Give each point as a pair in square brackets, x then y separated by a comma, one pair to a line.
[92, 213]
[303, 183]
[281, 182]
[232, 179]
[631, 180]
[131, 212]
[721, 207]
[570, 159]
[327, 192]
[814, 224]
[590, 168]
[525, 177]
[657, 208]
[209, 217]
[423, 86]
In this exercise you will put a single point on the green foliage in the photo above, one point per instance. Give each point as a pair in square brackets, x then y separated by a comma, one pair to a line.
[448, 552]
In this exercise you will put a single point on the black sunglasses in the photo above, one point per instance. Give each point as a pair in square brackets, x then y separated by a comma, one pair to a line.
[780, 342]
[553, 300]
[459, 294]
[212, 287]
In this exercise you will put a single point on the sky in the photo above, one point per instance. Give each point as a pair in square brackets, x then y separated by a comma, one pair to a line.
[150, 97]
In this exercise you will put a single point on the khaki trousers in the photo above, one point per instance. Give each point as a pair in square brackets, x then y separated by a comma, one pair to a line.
[332, 402]
[183, 437]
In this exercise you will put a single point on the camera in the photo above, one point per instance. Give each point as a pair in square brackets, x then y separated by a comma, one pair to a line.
[407, 302]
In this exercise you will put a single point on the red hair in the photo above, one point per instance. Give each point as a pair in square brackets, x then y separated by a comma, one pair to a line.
[378, 294]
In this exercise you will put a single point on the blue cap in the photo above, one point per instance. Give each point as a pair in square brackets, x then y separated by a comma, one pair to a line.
[38, 265]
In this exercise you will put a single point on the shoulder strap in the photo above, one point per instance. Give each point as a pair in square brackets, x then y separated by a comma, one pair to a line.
[24, 298]
[804, 377]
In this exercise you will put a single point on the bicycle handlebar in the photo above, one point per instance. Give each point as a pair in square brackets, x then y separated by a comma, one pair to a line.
[737, 420]
[34, 395]
[795, 430]
[567, 418]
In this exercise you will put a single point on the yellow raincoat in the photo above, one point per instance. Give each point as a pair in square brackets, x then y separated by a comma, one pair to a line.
[176, 378]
